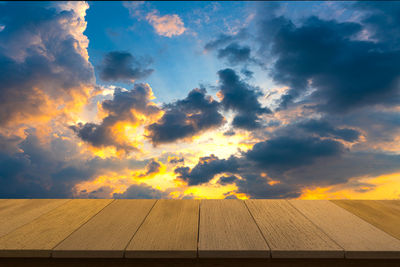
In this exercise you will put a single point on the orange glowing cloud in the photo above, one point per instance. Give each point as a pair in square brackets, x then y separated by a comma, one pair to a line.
[168, 25]
[381, 187]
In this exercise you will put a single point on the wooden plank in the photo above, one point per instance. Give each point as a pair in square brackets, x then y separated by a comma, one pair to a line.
[358, 238]
[169, 231]
[383, 214]
[108, 233]
[289, 234]
[37, 238]
[227, 230]
[17, 212]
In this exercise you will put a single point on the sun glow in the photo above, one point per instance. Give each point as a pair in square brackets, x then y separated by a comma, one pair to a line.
[381, 187]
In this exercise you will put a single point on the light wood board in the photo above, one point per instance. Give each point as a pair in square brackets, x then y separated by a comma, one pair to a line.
[358, 238]
[17, 212]
[169, 231]
[290, 234]
[227, 230]
[381, 213]
[108, 233]
[37, 238]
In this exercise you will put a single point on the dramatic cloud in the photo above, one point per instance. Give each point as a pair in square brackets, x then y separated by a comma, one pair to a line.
[175, 160]
[239, 96]
[44, 65]
[288, 152]
[325, 129]
[342, 70]
[206, 169]
[152, 167]
[167, 25]
[235, 53]
[333, 84]
[123, 66]
[228, 48]
[40, 169]
[381, 20]
[127, 108]
[225, 39]
[228, 179]
[186, 118]
[141, 191]
[283, 166]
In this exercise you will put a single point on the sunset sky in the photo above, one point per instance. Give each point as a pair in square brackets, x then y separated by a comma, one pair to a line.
[200, 100]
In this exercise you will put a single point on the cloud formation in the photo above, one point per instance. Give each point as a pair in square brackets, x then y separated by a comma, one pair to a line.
[123, 66]
[185, 118]
[206, 169]
[241, 97]
[141, 191]
[167, 25]
[44, 66]
[127, 108]
[324, 129]
[342, 70]
[284, 153]
[336, 83]
[153, 167]
[225, 39]
[235, 54]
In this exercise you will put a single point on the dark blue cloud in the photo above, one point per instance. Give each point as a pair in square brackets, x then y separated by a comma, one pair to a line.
[345, 71]
[382, 20]
[288, 152]
[51, 169]
[325, 129]
[242, 98]
[141, 191]
[227, 179]
[186, 118]
[235, 54]
[123, 66]
[225, 39]
[176, 160]
[256, 186]
[38, 172]
[206, 169]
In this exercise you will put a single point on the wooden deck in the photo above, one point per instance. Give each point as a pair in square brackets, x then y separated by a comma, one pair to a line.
[104, 232]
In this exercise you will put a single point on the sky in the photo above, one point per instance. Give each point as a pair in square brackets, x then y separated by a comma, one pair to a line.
[195, 100]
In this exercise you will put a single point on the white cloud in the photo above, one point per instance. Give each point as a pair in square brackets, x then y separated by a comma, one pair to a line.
[77, 24]
[136, 8]
[167, 25]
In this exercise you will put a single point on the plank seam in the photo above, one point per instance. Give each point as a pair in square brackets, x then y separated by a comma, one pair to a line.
[344, 251]
[376, 226]
[198, 231]
[258, 227]
[51, 253]
[130, 240]
[36, 218]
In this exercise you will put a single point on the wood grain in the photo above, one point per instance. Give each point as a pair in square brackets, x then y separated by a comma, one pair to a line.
[17, 212]
[289, 234]
[381, 213]
[37, 238]
[108, 233]
[227, 230]
[359, 238]
[169, 231]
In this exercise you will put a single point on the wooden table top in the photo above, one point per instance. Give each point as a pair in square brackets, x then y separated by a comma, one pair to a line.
[197, 229]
